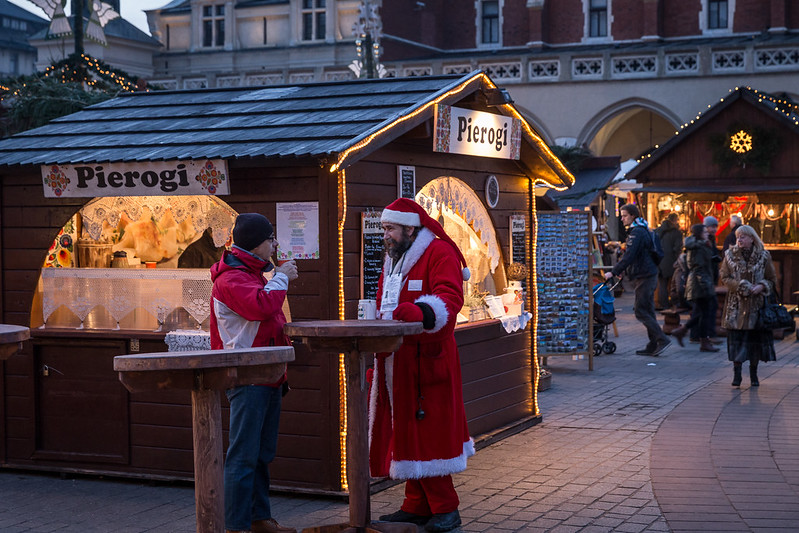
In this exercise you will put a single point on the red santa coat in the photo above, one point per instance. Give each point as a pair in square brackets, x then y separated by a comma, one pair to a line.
[400, 445]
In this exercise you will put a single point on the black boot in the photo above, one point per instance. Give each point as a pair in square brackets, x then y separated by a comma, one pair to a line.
[736, 379]
[753, 374]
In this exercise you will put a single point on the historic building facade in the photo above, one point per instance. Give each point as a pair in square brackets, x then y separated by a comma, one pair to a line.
[616, 76]
[17, 56]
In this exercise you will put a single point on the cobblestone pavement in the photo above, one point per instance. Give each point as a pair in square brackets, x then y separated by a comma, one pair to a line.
[639, 444]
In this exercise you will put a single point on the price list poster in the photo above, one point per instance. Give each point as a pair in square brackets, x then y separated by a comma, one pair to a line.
[564, 283]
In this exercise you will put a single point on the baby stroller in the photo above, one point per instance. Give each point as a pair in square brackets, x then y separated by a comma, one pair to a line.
[604, 316]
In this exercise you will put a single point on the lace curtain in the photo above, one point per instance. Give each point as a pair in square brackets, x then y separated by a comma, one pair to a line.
[121, 290]
[205, 212]
[456, 195]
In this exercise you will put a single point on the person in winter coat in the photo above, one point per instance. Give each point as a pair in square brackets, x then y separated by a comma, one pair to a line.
[678, 282]
[730, 240]
[638, 265]
[417, 420]
[700, 289]
[247, 312]
[748, 273]
[671, 241]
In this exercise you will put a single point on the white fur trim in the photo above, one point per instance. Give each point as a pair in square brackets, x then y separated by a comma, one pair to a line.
[414, 253]
[389, 377]
[432, 468]
[403, 218]
[439, 310]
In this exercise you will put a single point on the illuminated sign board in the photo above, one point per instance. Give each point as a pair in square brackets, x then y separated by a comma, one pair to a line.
[148, 178]
[464, 131]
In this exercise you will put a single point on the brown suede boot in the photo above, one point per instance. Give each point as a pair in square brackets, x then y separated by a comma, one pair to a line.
[706, 346]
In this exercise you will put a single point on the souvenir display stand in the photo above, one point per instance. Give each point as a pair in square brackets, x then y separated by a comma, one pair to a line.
[565, 298]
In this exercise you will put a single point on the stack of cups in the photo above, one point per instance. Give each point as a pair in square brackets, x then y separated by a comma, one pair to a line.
[367, 309]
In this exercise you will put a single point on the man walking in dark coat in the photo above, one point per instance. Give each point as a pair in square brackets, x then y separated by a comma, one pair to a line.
[639, 267]
[671, 241]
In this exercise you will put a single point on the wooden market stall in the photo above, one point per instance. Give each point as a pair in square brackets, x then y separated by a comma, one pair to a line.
[153, 178]
[740, 156]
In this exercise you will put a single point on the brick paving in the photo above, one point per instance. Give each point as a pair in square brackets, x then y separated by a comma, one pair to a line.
[641, 444]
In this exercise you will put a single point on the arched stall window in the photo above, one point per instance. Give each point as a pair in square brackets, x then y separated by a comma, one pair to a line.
[465, 219]
[133, 262]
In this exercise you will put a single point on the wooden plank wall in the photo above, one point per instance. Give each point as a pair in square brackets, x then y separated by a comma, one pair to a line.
[160, 423]
[497, 367]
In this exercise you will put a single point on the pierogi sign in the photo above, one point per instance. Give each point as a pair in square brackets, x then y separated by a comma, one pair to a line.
[465, 131]
[149, 178]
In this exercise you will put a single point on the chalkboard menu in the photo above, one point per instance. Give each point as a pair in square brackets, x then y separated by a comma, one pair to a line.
[518, 238]
[371, 253]
[406, 182]
[564, 283]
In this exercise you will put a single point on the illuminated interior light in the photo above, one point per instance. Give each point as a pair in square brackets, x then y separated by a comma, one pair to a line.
[678, 208]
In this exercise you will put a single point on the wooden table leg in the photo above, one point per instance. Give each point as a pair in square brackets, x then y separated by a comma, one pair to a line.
[357, 442]
[209, 495]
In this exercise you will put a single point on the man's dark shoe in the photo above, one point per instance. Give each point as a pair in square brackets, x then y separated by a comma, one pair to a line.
[404, 516]
[444, 521]
[660, 346]
[645, 351]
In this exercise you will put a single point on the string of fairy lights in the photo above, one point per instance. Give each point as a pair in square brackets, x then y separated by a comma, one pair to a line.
[80, 69]
[787, 107]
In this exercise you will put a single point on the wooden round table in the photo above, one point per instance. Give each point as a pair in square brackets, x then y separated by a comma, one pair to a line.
[11, 338]
[206, 373]
[356, 338]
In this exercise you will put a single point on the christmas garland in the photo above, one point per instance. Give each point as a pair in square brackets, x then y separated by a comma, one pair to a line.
[743, 145]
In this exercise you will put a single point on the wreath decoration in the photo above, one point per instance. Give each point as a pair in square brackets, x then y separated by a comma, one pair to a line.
[744, 145]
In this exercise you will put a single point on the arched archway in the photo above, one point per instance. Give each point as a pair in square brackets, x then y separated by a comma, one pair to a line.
[537, 123]
[629, 128]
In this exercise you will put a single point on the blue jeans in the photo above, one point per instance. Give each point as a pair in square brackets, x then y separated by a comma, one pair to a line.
[254, 419]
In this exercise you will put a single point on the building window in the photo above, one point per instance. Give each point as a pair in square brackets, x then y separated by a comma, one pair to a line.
[490, 22]
[717, 14]
[15, 63]
[598, 18]
[313, 20]
[213, 26]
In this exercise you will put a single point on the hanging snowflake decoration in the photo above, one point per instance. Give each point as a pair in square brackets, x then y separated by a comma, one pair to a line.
[741, 142]
[743, 146]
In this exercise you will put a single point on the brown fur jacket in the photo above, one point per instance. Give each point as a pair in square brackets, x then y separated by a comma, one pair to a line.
[740, 276]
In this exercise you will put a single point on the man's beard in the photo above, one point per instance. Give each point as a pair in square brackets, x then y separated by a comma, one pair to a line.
[396, 249]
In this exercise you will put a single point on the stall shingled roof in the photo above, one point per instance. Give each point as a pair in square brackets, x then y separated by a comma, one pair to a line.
[591, 180]
[332, 122]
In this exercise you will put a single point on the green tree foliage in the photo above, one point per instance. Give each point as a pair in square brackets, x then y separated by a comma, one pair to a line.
[65, 87]
[572, 157]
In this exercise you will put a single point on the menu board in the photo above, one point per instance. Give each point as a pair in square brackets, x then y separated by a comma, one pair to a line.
[406, 182]
[371, 253]
[518, 239]
[564, 283]
[298, 230]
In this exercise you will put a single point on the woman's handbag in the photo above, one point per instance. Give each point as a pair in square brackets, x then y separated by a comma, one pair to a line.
[774, 315]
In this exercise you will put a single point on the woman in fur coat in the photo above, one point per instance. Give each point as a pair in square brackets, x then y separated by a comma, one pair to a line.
[748, 274]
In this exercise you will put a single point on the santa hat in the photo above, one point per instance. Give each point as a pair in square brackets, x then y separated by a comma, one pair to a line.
[406, 212]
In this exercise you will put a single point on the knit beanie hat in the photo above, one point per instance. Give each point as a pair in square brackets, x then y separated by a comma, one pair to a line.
[710, 221]
[251, 230]
[406, 212]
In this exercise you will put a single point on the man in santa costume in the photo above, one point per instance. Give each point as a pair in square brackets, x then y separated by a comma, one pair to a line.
[417, 423]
